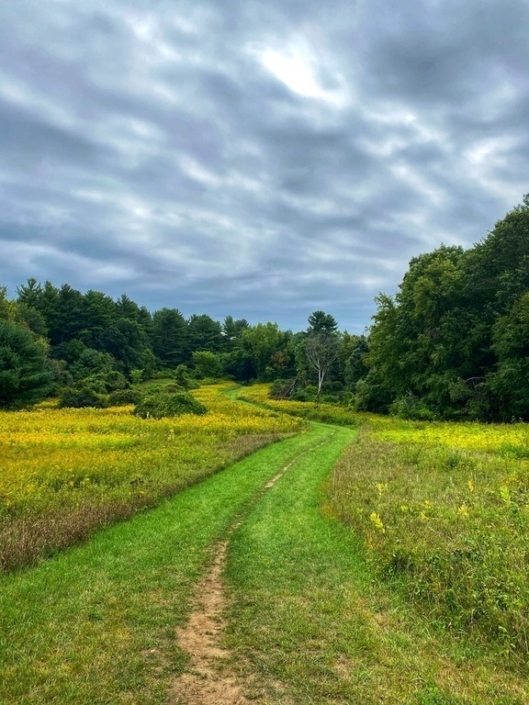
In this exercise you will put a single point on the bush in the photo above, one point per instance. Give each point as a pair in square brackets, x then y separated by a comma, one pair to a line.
[122, 397]
[136, 376]
[411, 407]
[282, 389]
[183, 379]
[81, 395]
[172, 388]
[309, 393]
[158, 405]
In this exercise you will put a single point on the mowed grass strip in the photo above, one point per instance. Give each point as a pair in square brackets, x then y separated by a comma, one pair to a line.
[96, 624]
[310, 621]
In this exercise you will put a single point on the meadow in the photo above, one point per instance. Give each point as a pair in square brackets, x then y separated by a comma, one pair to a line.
[346, 580]
[443, 509]
[323, 412]
[64, 472]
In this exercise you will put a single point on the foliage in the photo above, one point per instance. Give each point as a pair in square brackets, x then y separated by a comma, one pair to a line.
[136, 376]
[455, 336]
[169, 336]
[321, 349]
[451, 344]
[410, 407]
[162, 404]
[208, 364]
[183, 380]
[80, 396]
[25, 377]
[122, 397]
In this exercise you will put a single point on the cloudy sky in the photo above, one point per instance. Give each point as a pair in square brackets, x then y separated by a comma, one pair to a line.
[262, 159]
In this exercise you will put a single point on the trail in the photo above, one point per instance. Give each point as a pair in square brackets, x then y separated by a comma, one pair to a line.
[203, 684]
[98, 617]
[209, 680]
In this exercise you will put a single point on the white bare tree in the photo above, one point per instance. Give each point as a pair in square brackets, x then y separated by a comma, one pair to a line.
[321, 349]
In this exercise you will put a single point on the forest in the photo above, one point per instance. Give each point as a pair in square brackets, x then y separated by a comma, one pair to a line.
[452, 343]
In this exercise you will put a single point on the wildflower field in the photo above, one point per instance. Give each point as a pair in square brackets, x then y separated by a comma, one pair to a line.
[444, 511]
[324, 412]
[65, 471]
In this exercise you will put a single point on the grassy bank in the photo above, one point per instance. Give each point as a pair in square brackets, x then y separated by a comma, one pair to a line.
[449, 524]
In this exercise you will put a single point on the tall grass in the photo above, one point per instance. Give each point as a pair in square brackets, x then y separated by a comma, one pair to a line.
[324, 412]
[450, 524]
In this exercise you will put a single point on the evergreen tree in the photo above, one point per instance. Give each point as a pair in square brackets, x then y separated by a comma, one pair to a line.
[25, 377]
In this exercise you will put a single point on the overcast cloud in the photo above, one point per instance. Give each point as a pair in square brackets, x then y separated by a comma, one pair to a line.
[258, 159]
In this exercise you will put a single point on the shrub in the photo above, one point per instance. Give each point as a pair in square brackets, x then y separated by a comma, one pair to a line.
[183, 379]
[282, 389]
[412, 408]
[172, 388]
[122, 397]
[158, 405]
[136, 376]
[309, 393]
[81, 395]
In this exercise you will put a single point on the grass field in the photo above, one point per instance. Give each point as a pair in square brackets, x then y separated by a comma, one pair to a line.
[65, 471]
[443, 509]
[311, 621]
[444, 512]
[385, 570]
[96, 625]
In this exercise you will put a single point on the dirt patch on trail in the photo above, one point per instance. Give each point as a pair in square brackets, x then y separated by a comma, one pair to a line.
[204, 684]
[209, 681]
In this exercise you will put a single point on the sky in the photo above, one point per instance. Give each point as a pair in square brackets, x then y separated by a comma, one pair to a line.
[256, 159]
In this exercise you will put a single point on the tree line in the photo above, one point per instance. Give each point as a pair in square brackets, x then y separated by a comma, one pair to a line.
[452, 343]
[55, 338]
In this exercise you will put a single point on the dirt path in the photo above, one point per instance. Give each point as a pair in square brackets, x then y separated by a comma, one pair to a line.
[209, 680]
[204, 684]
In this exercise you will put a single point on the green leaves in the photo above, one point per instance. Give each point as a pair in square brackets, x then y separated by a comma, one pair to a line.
[24, 375]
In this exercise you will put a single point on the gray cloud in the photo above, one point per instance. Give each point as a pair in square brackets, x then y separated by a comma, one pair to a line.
[255, 159]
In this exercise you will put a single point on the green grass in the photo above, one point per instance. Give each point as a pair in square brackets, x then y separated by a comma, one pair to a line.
[309, 619]
[450, 529]
[311, 622]
[96, 624]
